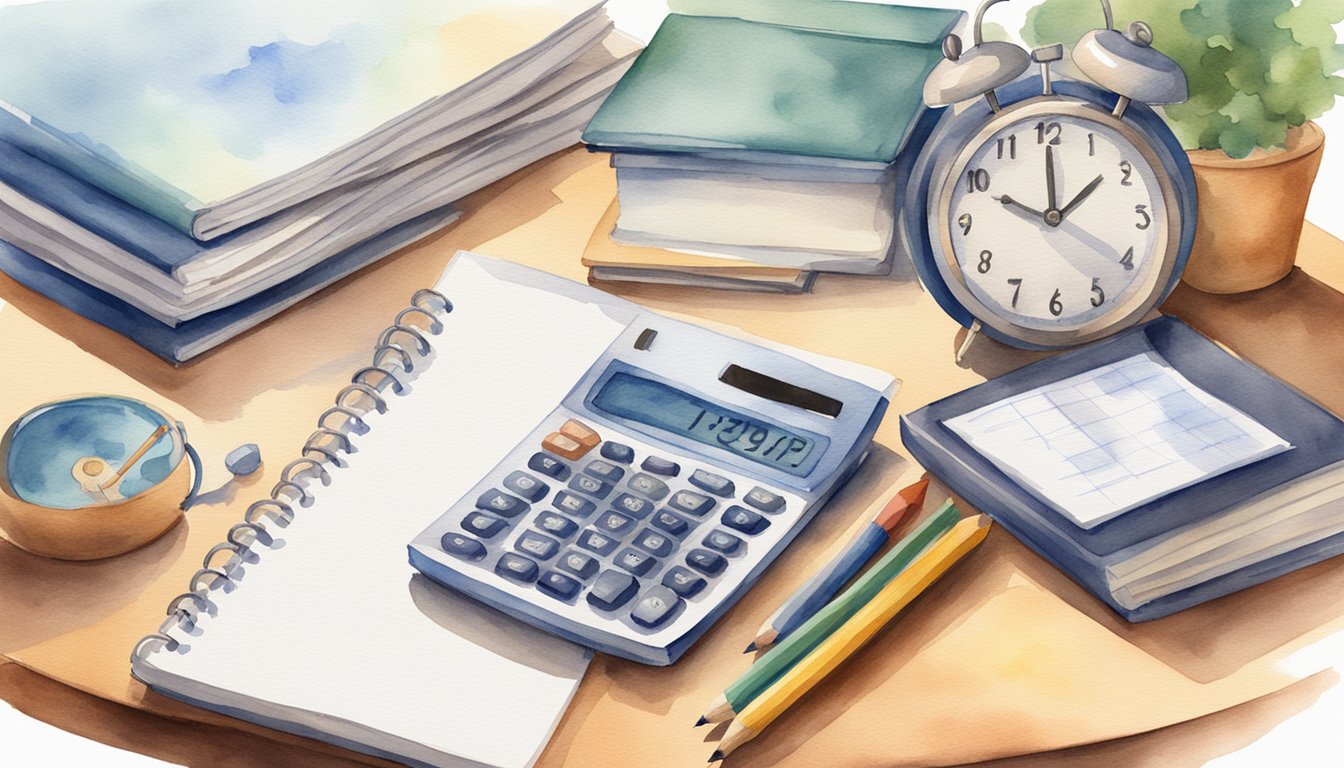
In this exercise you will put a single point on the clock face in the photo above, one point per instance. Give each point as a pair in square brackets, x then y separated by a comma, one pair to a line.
[1054, 220]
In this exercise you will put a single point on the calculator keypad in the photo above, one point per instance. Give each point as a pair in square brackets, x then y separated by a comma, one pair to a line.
[609, 533]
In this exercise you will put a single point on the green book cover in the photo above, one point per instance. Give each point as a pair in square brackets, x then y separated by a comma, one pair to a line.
[819, 78]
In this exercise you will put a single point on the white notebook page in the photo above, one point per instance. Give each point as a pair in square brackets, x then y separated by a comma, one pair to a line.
[335, 623]
[1101, 443]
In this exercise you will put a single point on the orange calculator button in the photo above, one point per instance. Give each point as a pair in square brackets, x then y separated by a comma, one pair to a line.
[581, 432]
[563, 445]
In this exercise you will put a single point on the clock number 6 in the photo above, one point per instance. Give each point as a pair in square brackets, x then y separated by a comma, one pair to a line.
[1056, 307]
[1100, 297]
[985, 258]
[1142, 210]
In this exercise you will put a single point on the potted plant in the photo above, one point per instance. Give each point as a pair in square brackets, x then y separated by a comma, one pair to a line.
[1259, 71]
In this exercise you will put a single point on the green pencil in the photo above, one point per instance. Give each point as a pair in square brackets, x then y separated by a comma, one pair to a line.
[801, 641]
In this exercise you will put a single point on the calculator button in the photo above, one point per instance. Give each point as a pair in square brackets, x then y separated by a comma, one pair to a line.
[593, 541]
[719, 486]
[574, 505]
[612, 590]
[764, 500]
[578, 564]
[655, 544]
[536, 545]
[604, 470]
[669, 522]
[591, 486]
[548, 466]
[659, 466]
[614, 523]
[655, 607]
[744, 520]
[635, 561]
[706, 562]
[723, 541]
[618, 452]
[464, 547]
[516, 567]
[556, 525]
[558, 585]
[495, 500]
[563, 445]
[691, 502]
[586, 435]
[483, 525]
[683, 581]
[633, 505]
[648, 485]
[527, 486]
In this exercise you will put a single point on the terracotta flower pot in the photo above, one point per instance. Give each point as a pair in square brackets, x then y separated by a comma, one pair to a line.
[1250, 213]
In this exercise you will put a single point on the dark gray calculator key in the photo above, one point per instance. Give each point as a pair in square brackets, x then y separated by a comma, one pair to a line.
[462, 546]
[614, 523]
[604, 470]
[483, 525]
[558, 585]
[683, 581]
[548, 466]
[578, 564]
[660, 466]
[591, 486]
[655, 607]
[647, 485]
[706, 562]
[536, 545]
[691, 503]
[666, 521]
[719, 486]
[656, 544]
[571, 504]
[527, 486]
[634, 561]
[501, 503]
[612, 590]
[764, 500]
[744, 520]
[556, 525]
[632, 505]
[618, 452]
[594, 541]
[723, 541]
[516, 567]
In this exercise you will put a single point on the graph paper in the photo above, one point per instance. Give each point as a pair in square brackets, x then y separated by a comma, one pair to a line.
[1101, 443]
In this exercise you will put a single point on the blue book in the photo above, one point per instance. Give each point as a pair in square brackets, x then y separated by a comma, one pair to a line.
[1256, 516]
[193, 337]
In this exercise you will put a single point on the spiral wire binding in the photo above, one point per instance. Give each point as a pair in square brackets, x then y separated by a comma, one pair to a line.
[325, 442]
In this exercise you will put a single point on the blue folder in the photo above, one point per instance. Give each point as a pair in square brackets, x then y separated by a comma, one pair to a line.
[1316, 434]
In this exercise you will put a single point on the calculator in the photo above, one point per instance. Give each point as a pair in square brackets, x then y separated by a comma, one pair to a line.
[657, 491]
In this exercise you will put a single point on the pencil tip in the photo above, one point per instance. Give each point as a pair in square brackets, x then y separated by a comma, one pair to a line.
[750, 648]
[701, 721]
[916, 493]
[717, 756]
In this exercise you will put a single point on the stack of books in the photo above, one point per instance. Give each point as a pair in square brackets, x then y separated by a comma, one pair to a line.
[181, 171]
[767, 135]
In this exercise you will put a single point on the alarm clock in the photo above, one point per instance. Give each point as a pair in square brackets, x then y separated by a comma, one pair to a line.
[1050, 214]
[92, 477]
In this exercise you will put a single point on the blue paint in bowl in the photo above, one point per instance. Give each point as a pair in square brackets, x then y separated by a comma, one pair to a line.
[45, 445]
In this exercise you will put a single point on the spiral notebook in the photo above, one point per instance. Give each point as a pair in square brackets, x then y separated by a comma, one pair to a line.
[309, 618]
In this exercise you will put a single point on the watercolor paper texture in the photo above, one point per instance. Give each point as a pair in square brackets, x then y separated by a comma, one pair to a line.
[178, 105]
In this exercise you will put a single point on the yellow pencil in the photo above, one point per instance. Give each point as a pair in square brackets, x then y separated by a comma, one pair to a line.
[853, 634]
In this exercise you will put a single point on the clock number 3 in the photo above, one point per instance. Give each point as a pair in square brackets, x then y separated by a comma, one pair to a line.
[1142, 210]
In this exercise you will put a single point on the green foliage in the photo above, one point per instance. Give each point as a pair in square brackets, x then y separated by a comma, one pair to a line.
[1256, 67]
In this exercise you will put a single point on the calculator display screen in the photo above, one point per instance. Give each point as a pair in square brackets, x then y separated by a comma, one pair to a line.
[665, 407]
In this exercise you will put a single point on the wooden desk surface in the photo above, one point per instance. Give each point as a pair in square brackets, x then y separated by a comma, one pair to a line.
[1006, 652]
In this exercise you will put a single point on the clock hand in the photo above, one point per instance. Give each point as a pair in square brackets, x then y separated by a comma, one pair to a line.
[1006, 200]
[1050, 179]
[139, 452]
[1080, 197]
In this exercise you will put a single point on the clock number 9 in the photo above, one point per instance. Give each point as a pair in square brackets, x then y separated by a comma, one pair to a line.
[985, 258]
[977, 180]
[1056, 306]
[965, 223]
